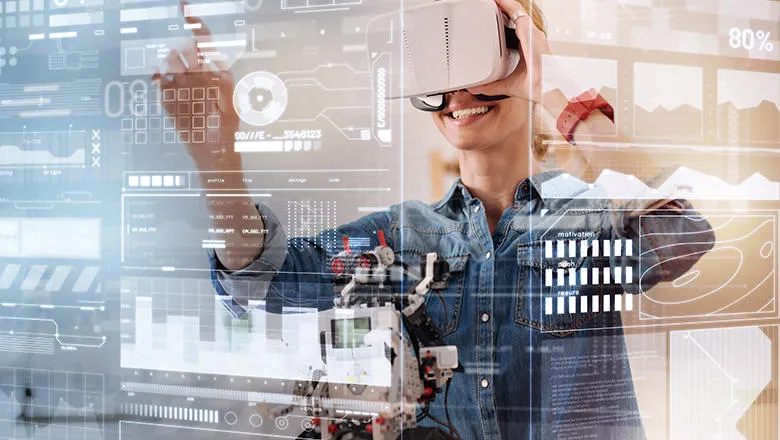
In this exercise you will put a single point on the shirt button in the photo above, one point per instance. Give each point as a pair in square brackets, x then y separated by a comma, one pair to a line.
[485, 317]
[484, 383]
[476, 208]
[487, 255]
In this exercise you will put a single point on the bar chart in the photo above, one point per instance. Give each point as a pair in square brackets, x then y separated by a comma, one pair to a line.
[174, 324]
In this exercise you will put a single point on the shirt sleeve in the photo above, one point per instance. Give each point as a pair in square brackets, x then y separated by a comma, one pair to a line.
[668, 237]
[292, 272]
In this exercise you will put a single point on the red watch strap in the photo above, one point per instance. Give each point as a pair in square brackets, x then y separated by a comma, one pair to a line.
[579, 109]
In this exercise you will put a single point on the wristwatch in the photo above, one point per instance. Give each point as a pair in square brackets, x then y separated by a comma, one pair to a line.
[579, 109]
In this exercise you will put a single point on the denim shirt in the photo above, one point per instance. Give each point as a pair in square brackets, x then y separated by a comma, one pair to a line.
[531, 370]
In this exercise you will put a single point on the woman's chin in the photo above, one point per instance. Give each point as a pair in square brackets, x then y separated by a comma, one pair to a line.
[467, 138]
[468, 143]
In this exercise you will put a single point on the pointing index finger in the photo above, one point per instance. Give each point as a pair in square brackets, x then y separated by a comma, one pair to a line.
[199, 28]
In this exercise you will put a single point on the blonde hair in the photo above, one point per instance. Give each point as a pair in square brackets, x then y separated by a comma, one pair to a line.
[536, 14]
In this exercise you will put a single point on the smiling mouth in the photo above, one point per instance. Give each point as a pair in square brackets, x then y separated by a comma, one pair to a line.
[469, 112]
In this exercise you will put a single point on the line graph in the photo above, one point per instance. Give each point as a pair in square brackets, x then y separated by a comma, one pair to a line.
[682, 183]
[49, 404]
[665, 109]
[734, 400]
[748, 107]
[43, 149]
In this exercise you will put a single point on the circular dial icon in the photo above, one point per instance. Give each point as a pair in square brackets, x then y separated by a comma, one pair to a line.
[260, 98]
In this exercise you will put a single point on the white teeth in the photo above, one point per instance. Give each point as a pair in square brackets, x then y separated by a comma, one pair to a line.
[460, 114]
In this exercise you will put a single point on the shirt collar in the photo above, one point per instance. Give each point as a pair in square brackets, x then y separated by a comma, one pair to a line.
[528, 189]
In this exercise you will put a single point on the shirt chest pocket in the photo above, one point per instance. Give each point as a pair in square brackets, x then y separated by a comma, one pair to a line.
[550, 288]
[444, 306]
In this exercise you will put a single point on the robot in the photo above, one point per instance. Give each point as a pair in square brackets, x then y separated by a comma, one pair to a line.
[385, 358]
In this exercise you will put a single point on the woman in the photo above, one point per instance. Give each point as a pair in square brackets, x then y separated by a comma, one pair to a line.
[527, 373]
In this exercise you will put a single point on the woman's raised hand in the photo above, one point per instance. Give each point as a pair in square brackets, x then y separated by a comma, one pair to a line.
[206, 126]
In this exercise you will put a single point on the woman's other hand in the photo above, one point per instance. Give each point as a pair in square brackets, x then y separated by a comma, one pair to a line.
[525, 81]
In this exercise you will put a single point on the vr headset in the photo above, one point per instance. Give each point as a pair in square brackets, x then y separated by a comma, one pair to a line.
[445, 46]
